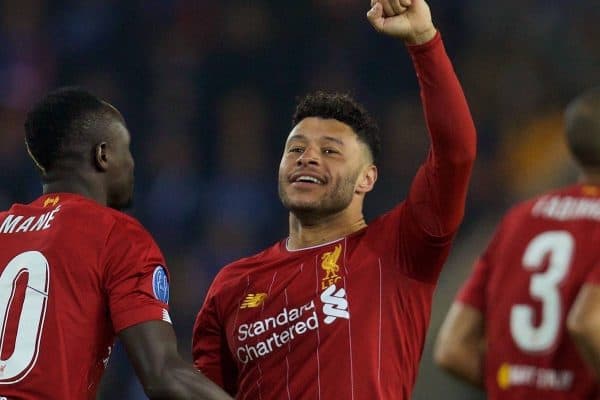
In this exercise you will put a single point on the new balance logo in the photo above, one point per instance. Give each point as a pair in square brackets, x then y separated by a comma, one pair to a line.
[335, 304]
[253, 300]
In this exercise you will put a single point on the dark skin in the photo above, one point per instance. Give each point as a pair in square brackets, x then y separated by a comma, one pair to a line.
[104, 173]
[152, 349]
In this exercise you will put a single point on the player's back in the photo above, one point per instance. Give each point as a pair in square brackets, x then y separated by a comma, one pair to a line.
[55, 327]
[536, 264]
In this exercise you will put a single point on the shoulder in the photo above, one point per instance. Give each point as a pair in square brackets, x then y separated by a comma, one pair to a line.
[520, 210]
[527, 209]
[103, 218]
[520, 217]
[78, 211]
[125, 238]
[232, 273]
[126, 225]
[389, 218]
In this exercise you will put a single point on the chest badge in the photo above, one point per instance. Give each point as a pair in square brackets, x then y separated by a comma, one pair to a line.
[329, 263]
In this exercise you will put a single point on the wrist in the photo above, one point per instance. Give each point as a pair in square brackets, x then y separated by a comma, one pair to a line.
[421, 37]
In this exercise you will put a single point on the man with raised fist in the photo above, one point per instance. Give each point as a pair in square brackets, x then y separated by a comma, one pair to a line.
[340, 309]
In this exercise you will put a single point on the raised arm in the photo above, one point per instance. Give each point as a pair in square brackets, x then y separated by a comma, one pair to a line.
[438, 193]
[152, 349]
[460, 345]
[583, 323]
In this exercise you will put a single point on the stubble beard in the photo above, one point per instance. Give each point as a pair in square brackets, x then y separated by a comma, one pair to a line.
[337, 199]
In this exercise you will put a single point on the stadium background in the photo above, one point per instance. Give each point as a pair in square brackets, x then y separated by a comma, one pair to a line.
[208, 89]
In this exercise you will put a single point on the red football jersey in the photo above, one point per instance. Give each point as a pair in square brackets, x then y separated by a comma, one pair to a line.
[525, 282]
[72, 274]
[347, 319]
[339, 321]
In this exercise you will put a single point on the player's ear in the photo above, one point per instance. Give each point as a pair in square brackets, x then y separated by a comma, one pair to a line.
[367, 179]
[100, 156]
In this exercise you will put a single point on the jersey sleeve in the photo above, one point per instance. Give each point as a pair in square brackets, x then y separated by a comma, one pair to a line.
[474, 289]
[438, 193]
[434, 209]
[209, 347]
[473, 292]
[136, 280]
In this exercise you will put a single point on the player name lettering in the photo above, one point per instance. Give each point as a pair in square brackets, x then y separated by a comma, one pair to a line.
[21, 223]
[567, 207]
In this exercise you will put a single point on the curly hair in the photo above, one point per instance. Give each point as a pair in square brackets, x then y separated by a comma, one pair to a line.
[343, 108]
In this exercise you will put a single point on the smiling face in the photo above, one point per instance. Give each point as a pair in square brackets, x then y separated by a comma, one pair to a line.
[324, 168]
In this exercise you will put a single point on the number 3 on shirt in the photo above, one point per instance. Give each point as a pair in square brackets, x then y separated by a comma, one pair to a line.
[32, 315]
[557, 247]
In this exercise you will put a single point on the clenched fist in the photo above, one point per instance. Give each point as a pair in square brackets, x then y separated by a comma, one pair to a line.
[409, 20]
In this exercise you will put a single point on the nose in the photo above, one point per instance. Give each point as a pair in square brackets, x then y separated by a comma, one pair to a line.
[308, 157]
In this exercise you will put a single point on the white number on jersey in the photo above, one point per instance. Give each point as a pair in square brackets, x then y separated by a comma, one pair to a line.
[33, 312]
[557, 247]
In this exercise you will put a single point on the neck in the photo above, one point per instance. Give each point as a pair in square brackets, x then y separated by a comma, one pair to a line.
[304, 234]
[74, 183]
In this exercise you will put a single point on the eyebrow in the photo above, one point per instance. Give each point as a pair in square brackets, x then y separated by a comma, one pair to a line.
[328, 138]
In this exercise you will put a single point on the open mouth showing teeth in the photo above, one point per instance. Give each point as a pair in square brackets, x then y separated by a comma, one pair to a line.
[308, 179]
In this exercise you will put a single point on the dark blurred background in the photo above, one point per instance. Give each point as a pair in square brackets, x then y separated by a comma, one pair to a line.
[208, 89]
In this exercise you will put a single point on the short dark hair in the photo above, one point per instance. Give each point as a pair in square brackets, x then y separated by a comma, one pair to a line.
[58, 125]
[343, 108]
[582, 128]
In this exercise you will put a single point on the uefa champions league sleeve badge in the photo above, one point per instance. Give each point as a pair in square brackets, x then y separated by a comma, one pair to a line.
[160, 284]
